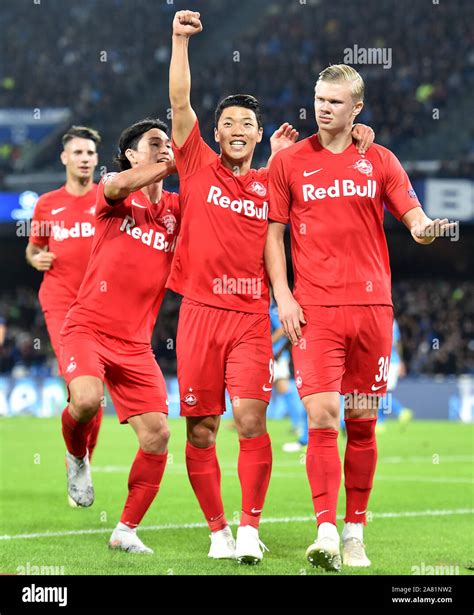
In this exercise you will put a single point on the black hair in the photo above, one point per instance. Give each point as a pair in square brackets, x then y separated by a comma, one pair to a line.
[131, 136]
[82, 132]
[239, 100]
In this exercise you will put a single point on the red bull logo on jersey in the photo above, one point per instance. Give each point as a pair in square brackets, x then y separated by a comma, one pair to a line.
[245, 207]
[364, 166]
[259, 189]
[153, 239]
[80, 229]
[344, 187]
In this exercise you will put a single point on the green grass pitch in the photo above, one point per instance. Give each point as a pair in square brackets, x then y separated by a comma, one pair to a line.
[420, 509]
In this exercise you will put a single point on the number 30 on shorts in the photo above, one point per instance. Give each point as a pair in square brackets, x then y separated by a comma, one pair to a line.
[384, 363]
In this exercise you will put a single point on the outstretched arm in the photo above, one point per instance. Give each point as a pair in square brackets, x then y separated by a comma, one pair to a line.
[185, 25]
[424, 230]
[120, 185]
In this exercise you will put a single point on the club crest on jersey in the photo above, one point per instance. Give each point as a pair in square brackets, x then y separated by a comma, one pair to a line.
[169, 222]
[364, 166]
[258, 188]
[72, 366]
[190, 399]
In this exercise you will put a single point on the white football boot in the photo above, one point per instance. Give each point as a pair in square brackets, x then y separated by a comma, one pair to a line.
[353, 549]
[79, 482]
[222, 544]
[249, 548]
[324, 552]
[125, 538]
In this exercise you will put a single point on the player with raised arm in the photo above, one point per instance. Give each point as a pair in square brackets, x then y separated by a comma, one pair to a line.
[107, 332]
[223, 336]
[61, 237]
[340, 317]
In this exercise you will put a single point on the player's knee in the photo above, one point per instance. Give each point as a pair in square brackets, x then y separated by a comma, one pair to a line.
[155, 440]
[324, 416]
[85, 405]
[251, 426]
[202, 436]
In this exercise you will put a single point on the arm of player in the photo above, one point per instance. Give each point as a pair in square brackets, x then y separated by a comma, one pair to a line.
[423, 229]
[185, 25]
[39, 258]
[364, 135]
[289, 310]
[282, 138]
[120, 185]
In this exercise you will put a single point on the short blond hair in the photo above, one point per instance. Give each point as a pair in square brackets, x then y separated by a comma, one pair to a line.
[339, 73]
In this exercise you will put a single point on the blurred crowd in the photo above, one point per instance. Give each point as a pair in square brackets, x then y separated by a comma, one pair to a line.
[99, 55]
[436, 320]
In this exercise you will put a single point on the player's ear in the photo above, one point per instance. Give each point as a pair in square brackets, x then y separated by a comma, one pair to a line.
[260, 134]
[358, 108]
[63, 158]
[130, 155]
[216, 135]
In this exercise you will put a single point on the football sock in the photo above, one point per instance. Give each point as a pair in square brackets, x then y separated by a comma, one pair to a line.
[205, 477]
[143, 485]
[359, 467]
[94, 434]
[323, 467]
[75, 434]
[254, 468]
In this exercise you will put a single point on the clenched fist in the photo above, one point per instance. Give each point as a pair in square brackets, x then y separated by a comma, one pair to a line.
[187, 23]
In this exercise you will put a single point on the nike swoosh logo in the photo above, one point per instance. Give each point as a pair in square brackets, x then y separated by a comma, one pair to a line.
[138, 204]
[320, 513]
[308, 174]
[357, 512]
[56, 211]
[374, 388]
[255, 512]
[266, 388]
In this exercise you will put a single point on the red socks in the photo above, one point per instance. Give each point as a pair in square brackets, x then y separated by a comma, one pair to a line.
[80, 437]
[359, 467]
[254, 467]
[76, 435]
[205, 477]
[143, 484]
[323, 467]
[94, 434]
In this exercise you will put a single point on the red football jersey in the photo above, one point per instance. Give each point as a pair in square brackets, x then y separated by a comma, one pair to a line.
[124, 283]
[219, 255]
[335, 204]
[64, 223]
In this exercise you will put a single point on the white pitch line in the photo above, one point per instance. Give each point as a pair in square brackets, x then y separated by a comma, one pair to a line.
[269, 520]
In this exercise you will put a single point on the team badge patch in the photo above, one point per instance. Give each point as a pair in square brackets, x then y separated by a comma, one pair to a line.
[364, 166]
[72, 366]
[258, 188]
[169, 222]
[190, 399]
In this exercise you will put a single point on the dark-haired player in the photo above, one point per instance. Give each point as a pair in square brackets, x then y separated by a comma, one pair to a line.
[107, 332]
[223, 336]
[61, 237]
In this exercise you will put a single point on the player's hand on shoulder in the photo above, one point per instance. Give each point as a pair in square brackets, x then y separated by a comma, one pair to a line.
[187, 23]
[43, 261]
[283, 137]
[364, 135]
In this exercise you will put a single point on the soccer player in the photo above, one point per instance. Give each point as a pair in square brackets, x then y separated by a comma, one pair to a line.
[340, 317]
[223, 338]
[107, 332]
[61, 237]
